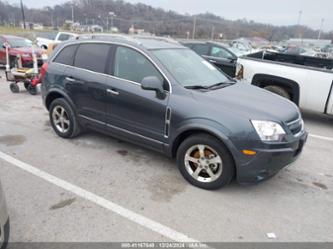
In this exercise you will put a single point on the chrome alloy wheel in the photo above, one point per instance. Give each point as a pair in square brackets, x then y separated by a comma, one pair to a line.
[60, 119]
[203, 163]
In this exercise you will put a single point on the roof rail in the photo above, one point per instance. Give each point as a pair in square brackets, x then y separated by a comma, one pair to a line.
[103, 35]
[132, 38]
[157, 38]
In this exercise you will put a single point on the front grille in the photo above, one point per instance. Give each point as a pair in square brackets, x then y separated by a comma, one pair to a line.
[296, 126]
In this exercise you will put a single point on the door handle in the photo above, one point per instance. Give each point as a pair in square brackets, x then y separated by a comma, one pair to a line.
[112, 92]
[213, 61]
[70, 79]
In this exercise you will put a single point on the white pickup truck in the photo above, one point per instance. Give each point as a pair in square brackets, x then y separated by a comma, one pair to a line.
[307, 81]
[43, 42]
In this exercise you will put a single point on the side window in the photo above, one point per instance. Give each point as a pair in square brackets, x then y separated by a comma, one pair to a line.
[201, 49]
[66, 55]
[92, 56]
[2, 41]
[132, 65]
[64, 37]
[221, 53]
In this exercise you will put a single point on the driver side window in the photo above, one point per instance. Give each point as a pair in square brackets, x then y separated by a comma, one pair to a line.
[221, 53]
[133, 66]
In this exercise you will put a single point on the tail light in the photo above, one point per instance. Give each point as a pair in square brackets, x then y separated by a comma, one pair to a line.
[43, 71]
[39, 78]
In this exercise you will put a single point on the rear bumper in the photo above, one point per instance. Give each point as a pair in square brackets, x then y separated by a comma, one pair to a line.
[268, 162]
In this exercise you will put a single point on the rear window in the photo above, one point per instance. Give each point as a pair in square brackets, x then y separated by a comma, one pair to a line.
[66, 56]
[201, 49]
[92, 57]
[64, 37]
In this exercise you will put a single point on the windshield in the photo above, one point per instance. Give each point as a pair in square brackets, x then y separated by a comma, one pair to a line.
[48, 35]
[188, 68]
[19, 42]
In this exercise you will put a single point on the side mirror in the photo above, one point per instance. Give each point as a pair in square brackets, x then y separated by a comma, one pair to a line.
[154, 84]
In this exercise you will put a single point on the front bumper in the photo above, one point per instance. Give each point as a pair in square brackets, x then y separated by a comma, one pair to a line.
[268, 162]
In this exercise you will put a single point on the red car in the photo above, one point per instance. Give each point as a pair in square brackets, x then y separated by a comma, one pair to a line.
[18, 46]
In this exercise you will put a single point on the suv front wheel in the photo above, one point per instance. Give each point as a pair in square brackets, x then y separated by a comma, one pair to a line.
[205, 162]
[63, 119]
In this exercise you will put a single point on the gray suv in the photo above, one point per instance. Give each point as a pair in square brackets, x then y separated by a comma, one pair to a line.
[4, 221]
[161, 95]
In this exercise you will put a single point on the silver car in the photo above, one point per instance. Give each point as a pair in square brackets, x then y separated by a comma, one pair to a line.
[4, 221]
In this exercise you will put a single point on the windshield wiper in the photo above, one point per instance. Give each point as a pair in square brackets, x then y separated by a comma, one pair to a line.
[197, 87]
[217, 85]
[220, 85]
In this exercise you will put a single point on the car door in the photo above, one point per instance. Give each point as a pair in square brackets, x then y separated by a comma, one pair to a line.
[223, 59]
[86, 81]
[133, 112]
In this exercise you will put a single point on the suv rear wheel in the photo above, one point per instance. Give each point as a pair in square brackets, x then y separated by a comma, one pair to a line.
[63, 119]
[205, 162]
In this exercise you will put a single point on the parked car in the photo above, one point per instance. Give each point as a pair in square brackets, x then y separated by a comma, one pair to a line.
[4, 221]
[217, 53]
[43, 42]
[244, 46]
[18, 46]
[293, 50]
[164, 96]
[307, 81]
[272, 48]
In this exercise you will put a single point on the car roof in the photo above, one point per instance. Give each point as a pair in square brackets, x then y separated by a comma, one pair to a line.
[147, 42]
[207, 42]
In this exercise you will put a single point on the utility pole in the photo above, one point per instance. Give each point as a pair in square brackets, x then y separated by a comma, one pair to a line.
[113, 15]
[194, 27]
[73, 12]
[321, 28]
[299, 23]
[107, 23]
[23, 16]
[213, 32]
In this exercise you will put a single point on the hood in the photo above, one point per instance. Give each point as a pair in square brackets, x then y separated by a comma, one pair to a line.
[25, 50]
[250, 102]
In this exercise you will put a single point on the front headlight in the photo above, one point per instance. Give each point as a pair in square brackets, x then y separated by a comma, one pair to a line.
[268, 131]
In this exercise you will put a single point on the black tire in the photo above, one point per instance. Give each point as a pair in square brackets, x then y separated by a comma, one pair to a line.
[278, 90]
[14, 88]
[228, 169]
[6, 235]
[73, 126]
[26, 85]
[32, 90]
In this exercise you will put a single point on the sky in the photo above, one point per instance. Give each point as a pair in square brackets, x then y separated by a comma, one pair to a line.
[282, 12]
